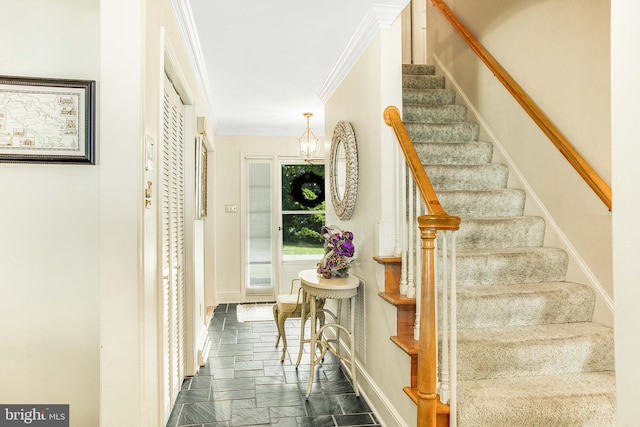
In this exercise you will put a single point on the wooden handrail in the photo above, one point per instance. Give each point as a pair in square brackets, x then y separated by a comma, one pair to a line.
[434, 208]
[591, 177]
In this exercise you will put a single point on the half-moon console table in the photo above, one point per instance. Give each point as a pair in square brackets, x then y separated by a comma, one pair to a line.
[338, 288]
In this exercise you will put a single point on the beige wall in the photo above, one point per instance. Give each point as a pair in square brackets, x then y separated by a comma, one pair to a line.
[372, 85]
[625, 68]
[49, 269]
[139, 41]
[78, 267]
[558, 52]
[228, 181]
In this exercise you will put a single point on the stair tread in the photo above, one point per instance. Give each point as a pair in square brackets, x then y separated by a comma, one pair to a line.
[514, 250]
[496, 290]
[537, 387]
[441, 408]
[397, 299]
[387, 259]
[481, 192]
[550, 331]
[407, 344]
[582, 399]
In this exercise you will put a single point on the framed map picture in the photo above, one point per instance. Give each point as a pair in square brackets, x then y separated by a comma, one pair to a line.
[47, 120]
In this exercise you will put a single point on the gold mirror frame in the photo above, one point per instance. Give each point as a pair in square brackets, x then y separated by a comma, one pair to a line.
[343, 170]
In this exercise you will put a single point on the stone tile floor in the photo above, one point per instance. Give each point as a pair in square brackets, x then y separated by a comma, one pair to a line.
[245, 384]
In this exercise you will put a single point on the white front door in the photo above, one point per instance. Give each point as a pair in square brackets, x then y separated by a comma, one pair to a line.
[284, 213]
[259, 273]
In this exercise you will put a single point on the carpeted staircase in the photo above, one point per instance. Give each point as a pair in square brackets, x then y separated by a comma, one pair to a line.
[528, 351]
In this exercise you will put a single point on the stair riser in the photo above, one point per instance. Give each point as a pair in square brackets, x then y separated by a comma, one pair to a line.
[468, 177]
[532, 266]
[429, 97]
[422, 82]
[445, 153]
[544, 358]
[418, 69]
[527, 304]
[485, 204]
[453, 132]
[500, 233]
[434, 114]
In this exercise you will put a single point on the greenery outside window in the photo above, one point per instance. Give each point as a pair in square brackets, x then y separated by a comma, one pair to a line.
[303, 211]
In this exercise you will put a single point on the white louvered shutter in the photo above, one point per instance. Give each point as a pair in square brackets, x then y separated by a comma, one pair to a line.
[172, 206]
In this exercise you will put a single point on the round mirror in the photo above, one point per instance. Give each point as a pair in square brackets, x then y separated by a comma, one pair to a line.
[343, 170]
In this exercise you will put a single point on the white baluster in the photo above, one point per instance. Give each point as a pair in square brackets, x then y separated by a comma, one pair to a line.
[454, 334]
[411, 286]
[416, 326]
[400, 172]
[403, 216]
[445, 392]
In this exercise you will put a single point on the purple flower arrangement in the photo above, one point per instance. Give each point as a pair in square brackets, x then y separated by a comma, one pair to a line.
[338, 248]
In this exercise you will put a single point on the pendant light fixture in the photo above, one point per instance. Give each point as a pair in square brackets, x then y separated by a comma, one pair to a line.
[308, 143]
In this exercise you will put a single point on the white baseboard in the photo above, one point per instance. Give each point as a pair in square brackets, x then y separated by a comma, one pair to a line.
[370, 391]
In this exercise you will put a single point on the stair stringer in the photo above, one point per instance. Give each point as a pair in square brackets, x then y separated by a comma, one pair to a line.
[578, 270]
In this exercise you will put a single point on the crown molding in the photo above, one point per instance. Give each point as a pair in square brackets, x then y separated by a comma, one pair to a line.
[186, 24]
[378, 17]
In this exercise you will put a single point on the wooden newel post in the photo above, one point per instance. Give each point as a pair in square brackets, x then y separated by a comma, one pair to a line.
[427, 397]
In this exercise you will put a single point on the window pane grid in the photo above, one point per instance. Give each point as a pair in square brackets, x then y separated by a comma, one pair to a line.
[303, 211]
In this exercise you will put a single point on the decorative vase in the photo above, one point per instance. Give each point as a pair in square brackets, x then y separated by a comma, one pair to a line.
[343, 272]
[339, 249]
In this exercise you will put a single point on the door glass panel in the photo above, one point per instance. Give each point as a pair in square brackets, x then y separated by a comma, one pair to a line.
[259, 268]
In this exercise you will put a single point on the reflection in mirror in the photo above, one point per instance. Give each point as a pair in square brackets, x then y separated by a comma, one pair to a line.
[343, 170]
[340, 170]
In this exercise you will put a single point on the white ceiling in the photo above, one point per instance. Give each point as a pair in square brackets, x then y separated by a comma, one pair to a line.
[264, 63]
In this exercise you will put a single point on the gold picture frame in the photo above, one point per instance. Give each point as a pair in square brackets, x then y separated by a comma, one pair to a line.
[201, 178]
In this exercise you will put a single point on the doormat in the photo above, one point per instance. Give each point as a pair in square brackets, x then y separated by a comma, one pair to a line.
[254, 312]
